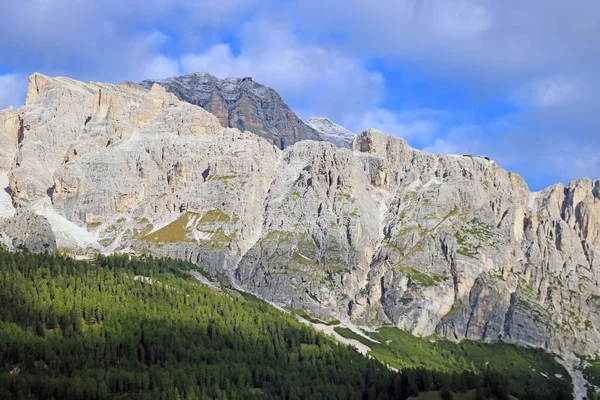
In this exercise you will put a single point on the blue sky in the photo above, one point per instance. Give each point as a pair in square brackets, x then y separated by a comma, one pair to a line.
[514, 80]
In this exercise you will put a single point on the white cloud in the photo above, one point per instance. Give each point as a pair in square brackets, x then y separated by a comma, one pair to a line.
[457, 18]
[465, 139]
[547, 92]
[107, 40]
[407, 125]
[480, 42]
[314, 79]
[159, 67]
[551, 92]
[13, 89]
[571, 165]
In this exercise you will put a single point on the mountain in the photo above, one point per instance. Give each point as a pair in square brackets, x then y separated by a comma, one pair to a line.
[63, 335]
[331, 132]
[243, 104]
[377, 235]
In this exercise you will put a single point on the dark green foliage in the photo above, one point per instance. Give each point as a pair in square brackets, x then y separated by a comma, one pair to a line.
[446, 394]
[143, 328]
[592, 375]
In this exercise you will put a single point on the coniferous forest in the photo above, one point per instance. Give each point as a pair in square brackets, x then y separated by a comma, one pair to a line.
[143, 328]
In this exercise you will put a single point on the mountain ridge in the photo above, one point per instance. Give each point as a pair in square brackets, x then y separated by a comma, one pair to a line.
[377, 234]
[241, 103]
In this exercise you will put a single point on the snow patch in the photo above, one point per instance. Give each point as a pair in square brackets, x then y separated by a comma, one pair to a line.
[6, 241]
[358, 331]
[191, 222]
[331, 132]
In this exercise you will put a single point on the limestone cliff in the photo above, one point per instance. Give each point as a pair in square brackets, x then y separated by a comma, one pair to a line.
[377, 234]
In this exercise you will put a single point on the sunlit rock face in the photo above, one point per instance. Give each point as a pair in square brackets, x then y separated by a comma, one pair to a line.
[332, 132]
[243, 104]
[378, 233]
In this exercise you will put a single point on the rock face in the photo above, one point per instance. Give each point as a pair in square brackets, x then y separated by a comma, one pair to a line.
[9, 137]
[28, 229]
[376, 234]
[242, 104]
[331, 132]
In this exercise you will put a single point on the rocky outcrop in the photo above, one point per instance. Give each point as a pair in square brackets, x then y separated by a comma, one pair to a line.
[242, 104]
[434, 244]
[377, 234]
[331, 132]
[28, 229]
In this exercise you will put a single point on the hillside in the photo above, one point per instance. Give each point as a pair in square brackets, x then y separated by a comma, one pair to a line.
[145, 328]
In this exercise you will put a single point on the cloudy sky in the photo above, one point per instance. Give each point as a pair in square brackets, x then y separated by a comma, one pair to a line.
[514, 80]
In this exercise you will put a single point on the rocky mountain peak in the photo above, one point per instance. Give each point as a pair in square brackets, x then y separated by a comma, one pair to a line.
[241, 103]
[331, 132]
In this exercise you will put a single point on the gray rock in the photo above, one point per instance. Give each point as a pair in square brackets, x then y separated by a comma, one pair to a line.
[331, 132]
[28, 229]
[377, 234]
[242, 104]
[9, 131]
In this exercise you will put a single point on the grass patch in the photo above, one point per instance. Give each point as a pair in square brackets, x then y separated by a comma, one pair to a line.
[213, 178]
[147, 229]
[456, 308]
[474, 236]
[93, 225]
[176, 231]
[278, 237]
[400, 349]
[421, 278]
[181, 230]
[213, 217]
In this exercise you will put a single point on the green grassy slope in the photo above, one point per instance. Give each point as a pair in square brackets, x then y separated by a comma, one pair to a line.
[520, 367]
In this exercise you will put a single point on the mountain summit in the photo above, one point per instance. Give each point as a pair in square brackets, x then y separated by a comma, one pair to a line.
[331, 132]
[241, 103]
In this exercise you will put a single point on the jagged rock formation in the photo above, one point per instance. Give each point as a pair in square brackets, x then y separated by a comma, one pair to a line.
[242, 104]
[377, 234]
[331, 132]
